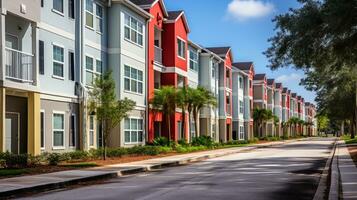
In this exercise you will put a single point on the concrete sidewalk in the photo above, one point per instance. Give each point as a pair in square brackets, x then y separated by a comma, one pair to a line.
[347, 172]
[36, 183]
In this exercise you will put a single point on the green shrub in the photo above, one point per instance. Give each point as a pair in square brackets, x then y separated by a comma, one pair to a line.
[14, 160]
[254, 140]
[2, 163]
[161, 141]
[54, 158]
[202, 141]
[188, 149]
[182, 142]
[75, 155]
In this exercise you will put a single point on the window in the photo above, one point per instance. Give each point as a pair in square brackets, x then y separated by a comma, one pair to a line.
[133, 130]
[58, 61]
[72, 131]
[133, 80]
[240, 82]
[58, 5]
[193, 60]
[133, 30]
[241, 107]
[92, 72]
[42, 121]
[91, 130]
[41, 3]
[180, 81]
[99, 18]
[181, 48]
[213, 72]
[241, 132]
[71, 9]
[89, 14]
[41, 57]
[58, 130]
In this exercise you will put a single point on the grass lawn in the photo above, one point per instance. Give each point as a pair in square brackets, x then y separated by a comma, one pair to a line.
[348, 140]
[13, 172]
[80, 165]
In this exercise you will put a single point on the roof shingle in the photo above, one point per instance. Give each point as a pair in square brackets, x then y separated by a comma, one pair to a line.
[245, 66]
[259, 77]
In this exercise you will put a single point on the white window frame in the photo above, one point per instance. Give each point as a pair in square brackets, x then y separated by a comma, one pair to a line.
[178, 39]
[137, 81]
[241, 107]
[91, 131]
[57, 11]
[137, 32]
[241, 132]
[53, 130]
[99, 19]
[93, 71]
[241, 82]
[89, 12]
[74, 132]
[192, 60]
[58, 62]
[137, 131]
[44, 129]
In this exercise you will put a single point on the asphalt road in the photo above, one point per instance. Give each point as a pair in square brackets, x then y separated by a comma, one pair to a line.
[287, 172]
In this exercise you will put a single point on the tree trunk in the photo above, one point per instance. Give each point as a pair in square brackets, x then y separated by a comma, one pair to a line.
[183, 124]
[189, 122]
[169, 127]
[195, 120]
[353, 125]
[342, 128]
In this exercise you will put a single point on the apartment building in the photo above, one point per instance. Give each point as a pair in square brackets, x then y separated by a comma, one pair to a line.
[278, 111]
[239, 87]
[248, 74]
[225, 92]
[271, 105]
[167, 62]
[209, 79]
[260, 97]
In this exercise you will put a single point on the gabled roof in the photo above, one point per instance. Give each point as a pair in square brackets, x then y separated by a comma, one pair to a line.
[279, 85]
[221, 51]
[137, 8]
[205, 50]
[293, 95]
[285, 90]
[146, 4]
[299, 97]
[173, 16]
[245, 66]
[270, 81]
[259, 77]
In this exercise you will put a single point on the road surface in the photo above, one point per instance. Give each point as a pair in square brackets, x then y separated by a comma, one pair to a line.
[290, 171]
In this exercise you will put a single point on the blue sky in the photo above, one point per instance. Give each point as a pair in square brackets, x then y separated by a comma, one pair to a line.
[245, 25]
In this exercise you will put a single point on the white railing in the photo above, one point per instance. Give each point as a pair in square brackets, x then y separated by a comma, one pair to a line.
[158, 54]
[18, 65]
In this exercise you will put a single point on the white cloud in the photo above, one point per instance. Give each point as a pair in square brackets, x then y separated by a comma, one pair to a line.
[294, 77]
[246, 9]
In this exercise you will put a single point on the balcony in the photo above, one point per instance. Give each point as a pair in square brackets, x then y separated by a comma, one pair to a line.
[158, 54]
[19, 66]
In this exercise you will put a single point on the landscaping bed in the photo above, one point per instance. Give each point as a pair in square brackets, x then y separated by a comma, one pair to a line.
[12, 165]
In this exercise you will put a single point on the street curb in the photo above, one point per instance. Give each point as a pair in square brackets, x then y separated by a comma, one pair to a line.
[131, 171]
[335, 176]
[323, 183]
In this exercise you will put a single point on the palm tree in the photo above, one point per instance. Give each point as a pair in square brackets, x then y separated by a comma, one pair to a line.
[164, 101]
[260, 116]
[184, 101]
[294, 121]
[200, 98]
[301, 125]
[276, 122]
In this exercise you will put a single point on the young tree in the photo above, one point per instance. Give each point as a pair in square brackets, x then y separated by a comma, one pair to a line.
[322, 123]
[165, 101]
[260, 116]
[294, 121]
[200, 98]
[328, 27]
[108, 110]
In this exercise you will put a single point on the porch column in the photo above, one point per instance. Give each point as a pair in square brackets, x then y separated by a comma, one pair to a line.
[34, 140]
[2, 43]
[2, 118]
[35, 67]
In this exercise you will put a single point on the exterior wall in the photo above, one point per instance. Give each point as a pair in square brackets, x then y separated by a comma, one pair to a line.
[49, 107]
[31, 12]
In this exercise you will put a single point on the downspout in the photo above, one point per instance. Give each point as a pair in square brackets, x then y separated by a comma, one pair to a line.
[146, 80]
[83, 89]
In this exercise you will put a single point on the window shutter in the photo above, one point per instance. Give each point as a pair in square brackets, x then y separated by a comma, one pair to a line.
[41, 58]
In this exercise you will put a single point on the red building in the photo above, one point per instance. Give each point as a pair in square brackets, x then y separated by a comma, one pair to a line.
[167, 62]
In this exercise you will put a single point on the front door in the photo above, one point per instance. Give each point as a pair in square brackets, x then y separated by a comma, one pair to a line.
[12, 138]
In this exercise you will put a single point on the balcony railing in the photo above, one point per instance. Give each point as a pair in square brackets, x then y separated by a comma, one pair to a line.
[19, 66]
[158, 54]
